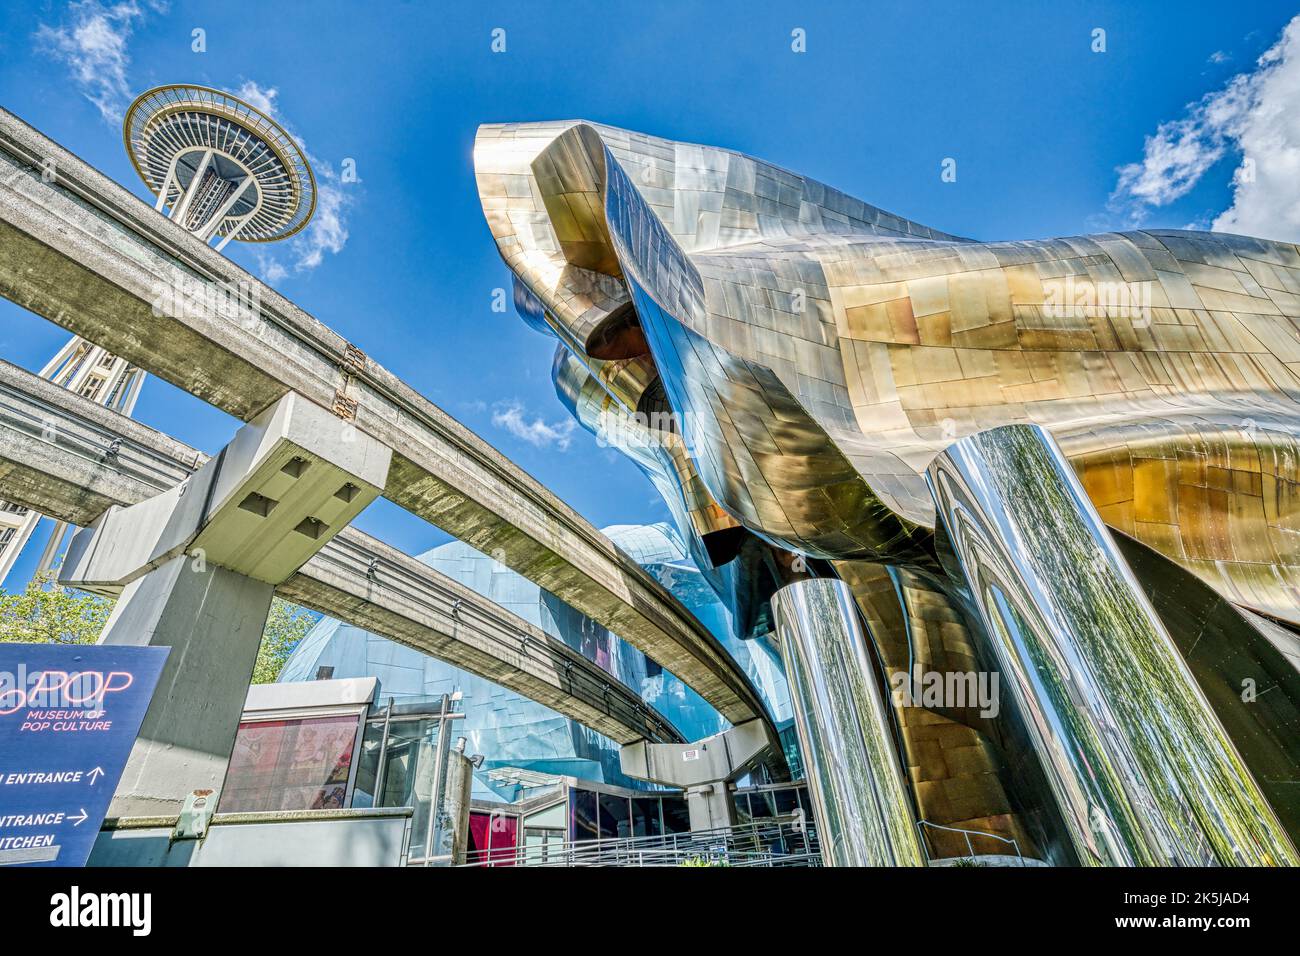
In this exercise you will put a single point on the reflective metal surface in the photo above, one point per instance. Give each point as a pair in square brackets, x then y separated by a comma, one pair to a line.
[811, 355]
[820, 351]
[1143, 771]
[965, 772]
[864, 813]
[1245, 665]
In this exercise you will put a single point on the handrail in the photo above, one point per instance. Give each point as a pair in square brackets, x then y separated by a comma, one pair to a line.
[922, 824]
[770, 843]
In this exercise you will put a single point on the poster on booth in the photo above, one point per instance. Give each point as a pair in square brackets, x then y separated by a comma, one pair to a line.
[69, 715]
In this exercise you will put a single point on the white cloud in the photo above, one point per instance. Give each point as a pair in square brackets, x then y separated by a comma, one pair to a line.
[1180, 151]
[511, 417]
[258, 98]
[1256, 116]
[92, 43]
[328, 229]
[1266, 188]
[271, 268]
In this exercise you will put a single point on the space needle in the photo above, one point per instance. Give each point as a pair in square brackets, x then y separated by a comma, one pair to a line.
[221, 169]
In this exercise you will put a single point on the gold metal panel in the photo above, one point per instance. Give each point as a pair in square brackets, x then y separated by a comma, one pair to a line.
[820, 352]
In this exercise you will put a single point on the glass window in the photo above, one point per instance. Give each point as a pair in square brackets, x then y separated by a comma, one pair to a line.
[542, 845]
[410, 763]
[805, 802]
[298, 764]
[645, 817]
[676, 817]
[762, 804]
[363, 791]
[787, 801]
[742, 808]
[492, 838]
[552, 818]
[583, 803]
[615, 817]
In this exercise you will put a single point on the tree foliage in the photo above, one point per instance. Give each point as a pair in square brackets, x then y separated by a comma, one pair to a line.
[286, 625]
[47, 613]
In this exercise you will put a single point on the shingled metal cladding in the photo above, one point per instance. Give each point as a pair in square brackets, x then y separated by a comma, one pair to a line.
[785, 362]
[819, 351]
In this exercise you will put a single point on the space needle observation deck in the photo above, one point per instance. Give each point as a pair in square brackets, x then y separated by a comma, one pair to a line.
[219, 167]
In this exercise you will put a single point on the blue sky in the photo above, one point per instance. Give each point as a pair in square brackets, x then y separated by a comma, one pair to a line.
[1050, 138]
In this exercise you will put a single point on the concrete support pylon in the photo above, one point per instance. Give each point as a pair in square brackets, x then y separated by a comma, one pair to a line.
[212, 619]
[456, 802]
[195, 569]
[704, 770]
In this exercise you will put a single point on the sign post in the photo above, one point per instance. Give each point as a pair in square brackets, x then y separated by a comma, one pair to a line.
[69, 715]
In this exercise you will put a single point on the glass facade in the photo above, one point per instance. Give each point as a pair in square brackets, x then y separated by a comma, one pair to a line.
[291, 764]
[493, 838]
[513, 732]
[403, 763]
[574, 813]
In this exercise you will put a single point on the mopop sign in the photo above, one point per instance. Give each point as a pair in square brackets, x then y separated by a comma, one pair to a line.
[69, 715]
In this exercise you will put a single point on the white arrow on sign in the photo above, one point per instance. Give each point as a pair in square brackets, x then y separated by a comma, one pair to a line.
[78, 821]
[95, 774]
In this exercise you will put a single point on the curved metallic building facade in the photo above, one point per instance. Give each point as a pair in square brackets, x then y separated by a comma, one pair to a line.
[1143, 770]
[785, 362]
[864, 812]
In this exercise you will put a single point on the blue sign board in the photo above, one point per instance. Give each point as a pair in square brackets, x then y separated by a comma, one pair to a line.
[69, 715]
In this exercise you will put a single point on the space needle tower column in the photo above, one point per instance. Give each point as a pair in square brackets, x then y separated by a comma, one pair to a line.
[221, 169]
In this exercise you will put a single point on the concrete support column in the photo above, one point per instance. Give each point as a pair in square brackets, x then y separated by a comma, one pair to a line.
[212, 619]
[864, 812]
[1141, 769]
[711, 806]
[195, 569]
[703, 769]
[455, 801]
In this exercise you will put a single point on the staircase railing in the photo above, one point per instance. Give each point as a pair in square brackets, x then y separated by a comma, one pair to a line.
[767, 843]
[970, 850]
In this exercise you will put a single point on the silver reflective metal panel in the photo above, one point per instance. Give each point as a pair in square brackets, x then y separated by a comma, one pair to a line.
[820, 351]
[864, 814]
[1142, 770]
[808, 355]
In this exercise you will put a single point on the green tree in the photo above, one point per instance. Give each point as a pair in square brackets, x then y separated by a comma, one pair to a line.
[286, 625]
[48, 613]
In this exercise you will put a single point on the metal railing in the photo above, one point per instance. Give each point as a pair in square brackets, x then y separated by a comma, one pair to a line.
[970, 850]
[774, 842]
